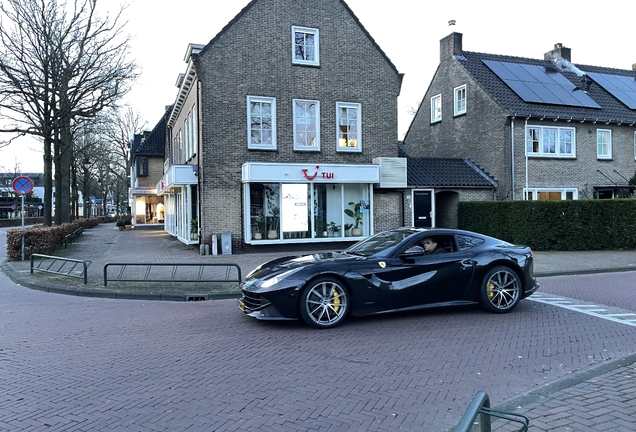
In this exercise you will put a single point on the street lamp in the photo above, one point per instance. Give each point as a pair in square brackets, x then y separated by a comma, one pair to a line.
[87, 165]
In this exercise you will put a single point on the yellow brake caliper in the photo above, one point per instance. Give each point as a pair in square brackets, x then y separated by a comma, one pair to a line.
[336, 299]
[491, 290]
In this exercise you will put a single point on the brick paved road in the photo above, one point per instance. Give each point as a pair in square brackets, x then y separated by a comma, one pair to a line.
[85, 364]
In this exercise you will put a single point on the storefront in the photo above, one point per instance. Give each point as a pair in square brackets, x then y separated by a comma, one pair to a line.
[147, 207]
[301, 203]
[179, 189]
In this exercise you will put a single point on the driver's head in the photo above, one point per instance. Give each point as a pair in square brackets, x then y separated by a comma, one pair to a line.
[429, 244]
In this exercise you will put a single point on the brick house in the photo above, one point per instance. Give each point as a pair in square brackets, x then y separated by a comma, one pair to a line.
[284, 118]
[147, 155]
[544, 129]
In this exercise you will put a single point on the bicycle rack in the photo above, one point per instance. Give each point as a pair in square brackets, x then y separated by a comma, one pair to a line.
[480, 407]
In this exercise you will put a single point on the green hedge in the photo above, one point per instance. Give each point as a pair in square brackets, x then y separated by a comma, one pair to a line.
[555, 225]
[46, 240]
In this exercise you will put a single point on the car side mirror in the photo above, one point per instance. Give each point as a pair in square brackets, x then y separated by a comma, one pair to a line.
[414, 250]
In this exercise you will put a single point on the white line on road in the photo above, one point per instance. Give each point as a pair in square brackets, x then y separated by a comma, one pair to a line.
[585, 309]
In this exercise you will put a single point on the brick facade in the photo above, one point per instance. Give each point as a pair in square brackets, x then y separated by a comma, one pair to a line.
[237, 64]
[485, 132]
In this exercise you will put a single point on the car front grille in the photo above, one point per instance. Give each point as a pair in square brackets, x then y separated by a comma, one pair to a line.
[254, 301]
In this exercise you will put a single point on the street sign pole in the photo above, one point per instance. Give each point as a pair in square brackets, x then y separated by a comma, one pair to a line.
[22, 185]
[22, 227]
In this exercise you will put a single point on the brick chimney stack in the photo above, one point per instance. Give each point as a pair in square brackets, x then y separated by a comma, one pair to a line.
[559, 52]
[450, 46]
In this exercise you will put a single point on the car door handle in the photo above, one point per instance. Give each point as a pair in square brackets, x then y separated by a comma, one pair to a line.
[468, 263]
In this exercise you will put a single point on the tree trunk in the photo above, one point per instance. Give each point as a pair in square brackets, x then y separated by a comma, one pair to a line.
[48, 182]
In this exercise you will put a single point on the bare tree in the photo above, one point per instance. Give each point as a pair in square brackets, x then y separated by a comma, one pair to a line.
[59, 62]
[121, 125]
[411, 109]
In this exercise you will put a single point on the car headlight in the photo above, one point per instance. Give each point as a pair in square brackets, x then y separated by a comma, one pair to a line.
[279, 277]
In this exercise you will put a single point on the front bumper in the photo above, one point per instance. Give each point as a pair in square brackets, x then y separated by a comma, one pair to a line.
[261, 310]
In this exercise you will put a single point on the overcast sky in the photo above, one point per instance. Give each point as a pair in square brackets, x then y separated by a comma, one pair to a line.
[408, 31]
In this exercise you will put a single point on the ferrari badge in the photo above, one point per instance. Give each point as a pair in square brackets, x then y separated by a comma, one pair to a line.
[382, 264]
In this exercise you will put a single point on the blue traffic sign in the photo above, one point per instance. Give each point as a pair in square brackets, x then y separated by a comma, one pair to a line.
[22, 185]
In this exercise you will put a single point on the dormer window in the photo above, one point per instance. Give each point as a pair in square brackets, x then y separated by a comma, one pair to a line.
[305, 46]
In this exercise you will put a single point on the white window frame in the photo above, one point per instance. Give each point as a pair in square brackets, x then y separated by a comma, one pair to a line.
[436, 108]
[302, 147]
[177, 151]
[603, 149]
[263, 100]
[190, 134]
[564, 192]
[559, 144]
[308, 31]
[358, 108]
[459, 100]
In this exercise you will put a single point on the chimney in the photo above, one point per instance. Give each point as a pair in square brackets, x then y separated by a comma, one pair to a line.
[450, 46]
[634, 67]
[559, 52]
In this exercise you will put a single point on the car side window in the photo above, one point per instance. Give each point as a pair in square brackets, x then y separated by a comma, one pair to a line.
[465, 242]
[447, 243]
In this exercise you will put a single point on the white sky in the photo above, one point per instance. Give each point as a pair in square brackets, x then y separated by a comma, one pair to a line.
[408, 31]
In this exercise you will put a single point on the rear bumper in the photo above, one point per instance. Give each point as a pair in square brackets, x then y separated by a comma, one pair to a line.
[531, 288]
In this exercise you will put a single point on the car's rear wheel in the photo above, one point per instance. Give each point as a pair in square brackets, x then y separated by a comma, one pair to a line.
[324, 303]
[500, 290]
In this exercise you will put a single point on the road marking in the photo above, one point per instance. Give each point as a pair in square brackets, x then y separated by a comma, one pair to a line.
[600, 311]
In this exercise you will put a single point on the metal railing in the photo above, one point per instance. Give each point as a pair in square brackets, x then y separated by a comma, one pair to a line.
[480, 407]
[61, 266]
[145, 270]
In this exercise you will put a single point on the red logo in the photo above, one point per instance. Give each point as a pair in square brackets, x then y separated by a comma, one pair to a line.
[323, 174]
[310, 177]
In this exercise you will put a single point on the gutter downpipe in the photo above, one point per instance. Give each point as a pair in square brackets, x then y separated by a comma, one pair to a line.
[525, 192]
[512, 157]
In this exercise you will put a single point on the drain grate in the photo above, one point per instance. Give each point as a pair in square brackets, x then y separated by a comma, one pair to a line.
[196, 297]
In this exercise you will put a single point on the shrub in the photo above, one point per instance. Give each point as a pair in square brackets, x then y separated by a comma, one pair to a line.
[555, 225]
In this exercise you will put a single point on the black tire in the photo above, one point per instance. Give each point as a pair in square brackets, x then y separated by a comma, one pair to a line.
[324, 303]
[500, 290]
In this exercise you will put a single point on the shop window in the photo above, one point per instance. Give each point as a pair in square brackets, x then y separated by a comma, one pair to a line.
[289, 212]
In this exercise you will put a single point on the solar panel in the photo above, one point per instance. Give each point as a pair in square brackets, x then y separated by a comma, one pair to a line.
[540, 85]
[621, 87]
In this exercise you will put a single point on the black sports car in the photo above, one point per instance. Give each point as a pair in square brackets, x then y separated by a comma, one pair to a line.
[391, 271]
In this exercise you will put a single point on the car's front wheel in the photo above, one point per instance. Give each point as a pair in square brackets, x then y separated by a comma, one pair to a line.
[324, 303]
[500, 290]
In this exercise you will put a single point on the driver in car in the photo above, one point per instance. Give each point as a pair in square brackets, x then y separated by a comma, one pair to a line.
[430, 246]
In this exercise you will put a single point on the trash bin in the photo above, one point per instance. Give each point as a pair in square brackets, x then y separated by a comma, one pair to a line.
[226, 243]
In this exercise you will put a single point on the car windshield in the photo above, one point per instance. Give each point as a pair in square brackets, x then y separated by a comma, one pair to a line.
[380, 244]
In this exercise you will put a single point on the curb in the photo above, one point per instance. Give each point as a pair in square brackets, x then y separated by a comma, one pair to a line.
[581, 272]
[564, 383]
[128, 294]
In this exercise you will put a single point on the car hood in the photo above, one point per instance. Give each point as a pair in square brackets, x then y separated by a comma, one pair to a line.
[282, 264]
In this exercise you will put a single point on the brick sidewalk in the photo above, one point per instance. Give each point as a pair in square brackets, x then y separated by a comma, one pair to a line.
[385, 373]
